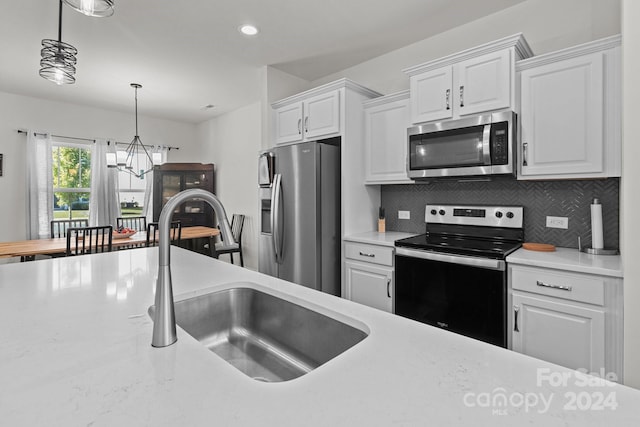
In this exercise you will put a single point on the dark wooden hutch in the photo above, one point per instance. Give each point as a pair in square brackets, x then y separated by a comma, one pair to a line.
[171, 178]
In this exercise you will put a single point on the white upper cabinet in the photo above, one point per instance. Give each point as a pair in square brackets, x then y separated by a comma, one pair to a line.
[432, 97]
[289, 123]
[570, 113]
[484, 83]
[473, 81]
[321, 115]
[386, 120]
[309, 119]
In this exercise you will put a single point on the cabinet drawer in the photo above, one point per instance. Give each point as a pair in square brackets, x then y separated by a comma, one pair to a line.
[571, 286]
[369, 253]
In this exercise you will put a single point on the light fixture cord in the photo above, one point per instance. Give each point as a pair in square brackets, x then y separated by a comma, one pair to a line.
[60, 23]
[136, 112]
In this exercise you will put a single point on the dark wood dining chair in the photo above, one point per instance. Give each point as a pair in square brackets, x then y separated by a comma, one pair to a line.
[175, 233]
[137, 223]
[59, 227]
[88, 240]
[237, 223]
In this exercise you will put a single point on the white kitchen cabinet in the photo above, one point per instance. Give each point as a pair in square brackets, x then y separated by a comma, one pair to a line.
[556, 331]
[309, 119]
[369, 275]
[473, 81]
[386, 120]
[572, 319]
[369, 285]
[570, 113]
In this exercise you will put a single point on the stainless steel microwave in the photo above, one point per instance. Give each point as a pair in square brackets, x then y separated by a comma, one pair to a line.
[483, 144]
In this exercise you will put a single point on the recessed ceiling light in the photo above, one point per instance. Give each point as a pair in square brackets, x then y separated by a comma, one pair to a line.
[248, 30]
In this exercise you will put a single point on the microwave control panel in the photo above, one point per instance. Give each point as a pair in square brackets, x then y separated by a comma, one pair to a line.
[500, 143]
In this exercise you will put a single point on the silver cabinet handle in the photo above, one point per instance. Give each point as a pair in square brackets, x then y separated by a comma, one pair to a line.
[389, 288]
[524, 153]
[547, 285]
[306, 124]
[516, 310]
[447, 96]
[462, 96]
[299, 126]
[367, 255]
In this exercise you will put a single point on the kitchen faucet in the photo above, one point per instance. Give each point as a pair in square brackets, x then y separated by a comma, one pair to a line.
[164, 321]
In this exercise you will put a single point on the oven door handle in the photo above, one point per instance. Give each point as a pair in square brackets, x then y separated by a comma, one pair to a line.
[490, 264]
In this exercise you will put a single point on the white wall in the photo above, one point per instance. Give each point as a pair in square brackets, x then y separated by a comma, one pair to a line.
[547, 25]
[232, 142]
[58, 118]
[629, 194]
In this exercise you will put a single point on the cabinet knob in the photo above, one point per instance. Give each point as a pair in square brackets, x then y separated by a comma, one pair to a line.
[447, 96]
[462, 96]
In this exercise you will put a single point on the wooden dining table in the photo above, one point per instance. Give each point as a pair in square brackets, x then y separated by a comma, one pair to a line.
[30, 248]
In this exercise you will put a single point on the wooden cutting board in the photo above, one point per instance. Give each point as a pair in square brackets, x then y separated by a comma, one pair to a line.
[540, 247]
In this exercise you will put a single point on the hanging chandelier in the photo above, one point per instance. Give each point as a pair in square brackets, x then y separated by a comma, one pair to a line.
[58, 59]
[135, 159]
[96, 8]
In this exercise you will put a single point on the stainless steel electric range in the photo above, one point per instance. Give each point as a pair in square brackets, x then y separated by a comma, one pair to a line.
[454, 276]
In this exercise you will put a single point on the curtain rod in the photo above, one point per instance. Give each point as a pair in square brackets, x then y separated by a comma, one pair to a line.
[91, 140]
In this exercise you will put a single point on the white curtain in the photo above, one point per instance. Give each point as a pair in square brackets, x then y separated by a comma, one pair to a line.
[39, 185]
[160, 152]
[104, 204]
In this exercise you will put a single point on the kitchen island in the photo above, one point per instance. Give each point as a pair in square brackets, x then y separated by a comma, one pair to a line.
[76, 350]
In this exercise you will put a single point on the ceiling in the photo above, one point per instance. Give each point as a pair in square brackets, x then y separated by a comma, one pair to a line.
[189, 54]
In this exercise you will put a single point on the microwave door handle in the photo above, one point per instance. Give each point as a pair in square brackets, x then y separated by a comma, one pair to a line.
[486, 145]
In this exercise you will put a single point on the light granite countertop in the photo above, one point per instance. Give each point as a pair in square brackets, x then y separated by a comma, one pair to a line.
[571, 260]
[76, 351]
[375, 238]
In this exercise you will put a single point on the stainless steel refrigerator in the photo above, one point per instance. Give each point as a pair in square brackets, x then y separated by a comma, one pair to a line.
[300, 214]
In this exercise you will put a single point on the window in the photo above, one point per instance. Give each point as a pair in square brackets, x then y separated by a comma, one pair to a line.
[71, 167]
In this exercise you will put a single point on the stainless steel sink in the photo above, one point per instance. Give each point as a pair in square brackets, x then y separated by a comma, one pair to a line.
[265, 337]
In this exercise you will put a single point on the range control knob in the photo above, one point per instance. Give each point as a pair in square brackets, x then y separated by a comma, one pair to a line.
[441, 212]
[498, 214]
[509, 214]
[433, 211]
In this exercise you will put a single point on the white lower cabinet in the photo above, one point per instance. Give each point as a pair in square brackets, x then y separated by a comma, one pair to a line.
[558, 332]
[568, 318]
[369, 285]
[369, 275]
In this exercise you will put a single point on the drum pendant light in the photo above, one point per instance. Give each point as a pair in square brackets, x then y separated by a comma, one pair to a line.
[58, 59]
[96, 8]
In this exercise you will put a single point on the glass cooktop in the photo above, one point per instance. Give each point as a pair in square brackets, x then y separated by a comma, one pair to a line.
[459, 245]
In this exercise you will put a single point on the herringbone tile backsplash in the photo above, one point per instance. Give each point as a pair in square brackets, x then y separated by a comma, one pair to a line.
[569, 198]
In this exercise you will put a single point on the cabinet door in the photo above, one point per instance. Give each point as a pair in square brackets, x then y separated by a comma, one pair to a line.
[431, 96]
[483, 83]
[369, 285]
[322, 115]
[289, 123]
[562, 117]
[558, 332]
[386, 142]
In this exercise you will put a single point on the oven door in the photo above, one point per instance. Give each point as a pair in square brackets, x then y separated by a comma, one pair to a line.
[466, 295]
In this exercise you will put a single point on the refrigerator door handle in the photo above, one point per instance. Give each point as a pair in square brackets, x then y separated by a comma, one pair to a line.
[276, 197]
